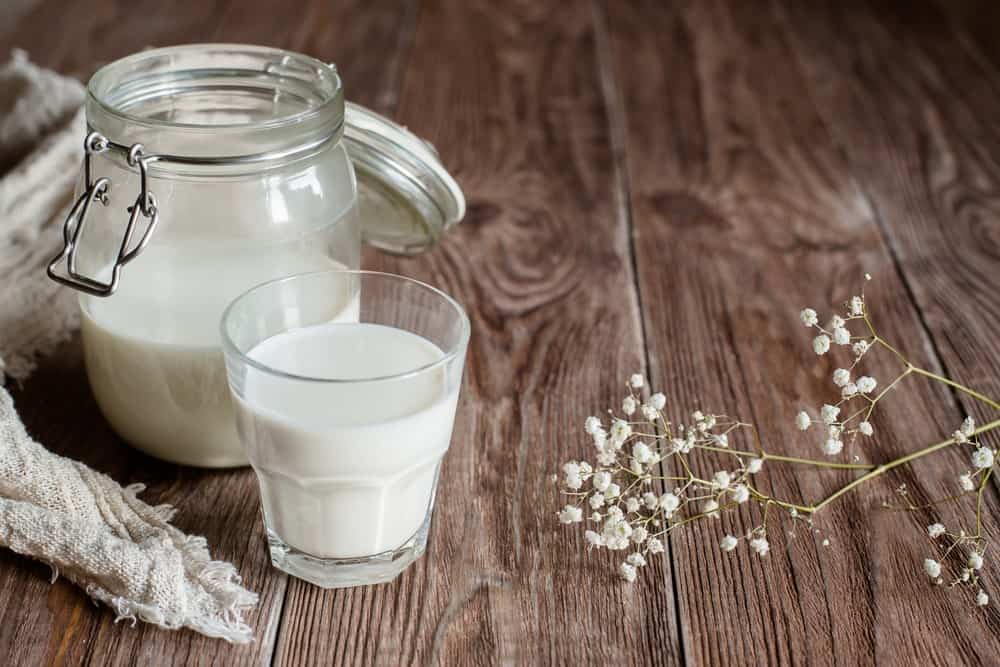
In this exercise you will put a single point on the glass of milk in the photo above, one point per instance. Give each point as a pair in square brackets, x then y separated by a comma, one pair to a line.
[345, 385]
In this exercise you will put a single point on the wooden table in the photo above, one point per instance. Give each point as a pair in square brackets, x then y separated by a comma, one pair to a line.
[654, 187]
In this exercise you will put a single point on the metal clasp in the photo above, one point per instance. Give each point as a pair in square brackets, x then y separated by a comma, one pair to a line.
[76, 221]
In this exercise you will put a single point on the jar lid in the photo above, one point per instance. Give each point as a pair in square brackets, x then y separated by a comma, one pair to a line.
[406, 198]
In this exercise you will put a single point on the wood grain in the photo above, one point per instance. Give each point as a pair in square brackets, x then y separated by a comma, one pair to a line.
[513, 99]
[652, 186]
[745, 211]
[222, 506]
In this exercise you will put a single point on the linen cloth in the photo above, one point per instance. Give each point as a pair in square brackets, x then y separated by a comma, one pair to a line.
[97, 534]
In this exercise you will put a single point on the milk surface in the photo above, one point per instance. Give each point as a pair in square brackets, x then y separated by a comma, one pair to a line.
[153, 351]
[346, 469]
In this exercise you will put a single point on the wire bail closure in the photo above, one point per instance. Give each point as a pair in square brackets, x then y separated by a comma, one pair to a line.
[76, 220]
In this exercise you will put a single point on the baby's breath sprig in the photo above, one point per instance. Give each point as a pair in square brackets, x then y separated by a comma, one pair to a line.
[647, 478]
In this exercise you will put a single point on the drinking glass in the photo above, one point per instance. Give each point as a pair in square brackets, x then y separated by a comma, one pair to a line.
[345, 385]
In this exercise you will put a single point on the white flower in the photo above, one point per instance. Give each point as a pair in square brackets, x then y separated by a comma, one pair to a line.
[636, 559]
[936, 530]
[632, 504]
[866, 428]
[596, 516]
[627, 572]
[960, 437]
[722, 440]
[639, 535]
[641, 452]
[628, 405]
[722, 479]
[809, 317]
[613, 491]
[754, 466]
[710, 507]
[976, 561]
[857, 305]
[636, 381]
[597, 501]
[834, 431]
[593, 539]
[968, 427]
[866, 384]
[650, 500]
[803, 420]
[828, 413]
[932, 568]
[602, 480]
[600, 438]
[657, 401]
[649, 413]
[832, 447]
[616, 533]
[841, 336]
[591, 425]
[966, 482]
[850, 389]
[982, 458]
[836, 322]
[821, 344]
[607, 457]
[698, 416]
[669, 502]
[620, 431]
[571, 514]
[728, 543]
[572, 472]
[615, 512]
[982, 599]
[741, 493]
[760, 545]
[636, 468]
[654, 545]
[859, 347]
[841, 376]
[585, 468]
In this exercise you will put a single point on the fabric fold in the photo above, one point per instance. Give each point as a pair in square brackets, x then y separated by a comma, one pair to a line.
[102, 537]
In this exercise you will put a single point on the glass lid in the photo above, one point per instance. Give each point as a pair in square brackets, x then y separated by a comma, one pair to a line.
[406, 197]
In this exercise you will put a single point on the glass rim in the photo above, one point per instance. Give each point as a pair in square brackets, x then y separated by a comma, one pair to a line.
[230, 347]
[100, 98]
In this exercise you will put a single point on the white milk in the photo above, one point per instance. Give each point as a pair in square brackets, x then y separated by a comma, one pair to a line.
[153, 350]
[346, 470]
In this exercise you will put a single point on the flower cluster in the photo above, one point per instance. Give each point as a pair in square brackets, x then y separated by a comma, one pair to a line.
[631, 505]
[648, 476]
[966, 550]
[850, 414]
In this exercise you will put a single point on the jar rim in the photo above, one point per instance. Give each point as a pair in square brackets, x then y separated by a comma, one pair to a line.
[310, 93]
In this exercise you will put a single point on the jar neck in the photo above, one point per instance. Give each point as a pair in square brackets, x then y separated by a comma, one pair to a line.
[208, 105]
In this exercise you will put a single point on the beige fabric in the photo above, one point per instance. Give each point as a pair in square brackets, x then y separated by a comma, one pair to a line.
[122, 551]
[41, 145]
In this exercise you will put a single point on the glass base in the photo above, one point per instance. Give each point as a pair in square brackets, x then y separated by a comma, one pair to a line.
[347, 572]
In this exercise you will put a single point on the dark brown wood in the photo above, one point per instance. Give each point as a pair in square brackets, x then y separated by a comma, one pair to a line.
[745, 211]
[512, 97]
[648, 183]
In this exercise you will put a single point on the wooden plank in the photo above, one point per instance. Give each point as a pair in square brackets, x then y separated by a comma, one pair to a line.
[745, 211]
[926, 148]
[513, 99]
[58, 624]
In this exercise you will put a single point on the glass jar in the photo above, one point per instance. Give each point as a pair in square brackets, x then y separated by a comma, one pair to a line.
[210, 169]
